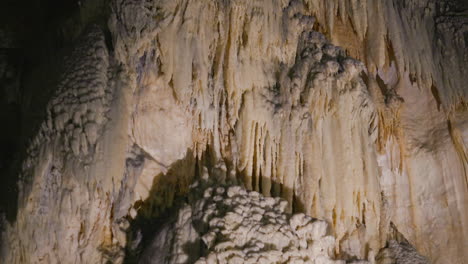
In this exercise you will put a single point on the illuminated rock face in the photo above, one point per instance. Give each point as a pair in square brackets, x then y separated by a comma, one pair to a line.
[366, 136]
[239, 226]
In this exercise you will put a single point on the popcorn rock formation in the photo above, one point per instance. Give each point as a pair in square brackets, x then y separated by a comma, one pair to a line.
[365, 136]
[239, 226]
[77, 113]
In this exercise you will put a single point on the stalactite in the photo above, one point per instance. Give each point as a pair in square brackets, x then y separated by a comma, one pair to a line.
[365, 136]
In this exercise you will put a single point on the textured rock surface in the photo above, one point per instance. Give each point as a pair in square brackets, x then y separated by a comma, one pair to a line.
[252, 91]
[234, 225]
[400, 253]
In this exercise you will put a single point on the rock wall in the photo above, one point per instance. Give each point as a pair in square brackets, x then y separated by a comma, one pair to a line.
[366, 136]
[415, 52]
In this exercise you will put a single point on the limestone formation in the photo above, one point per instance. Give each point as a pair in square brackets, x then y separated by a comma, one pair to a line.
[234, 225]
[352, 111]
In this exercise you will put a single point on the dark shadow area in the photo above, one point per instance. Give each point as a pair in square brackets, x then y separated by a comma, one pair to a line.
[169, 192]
[35, 36]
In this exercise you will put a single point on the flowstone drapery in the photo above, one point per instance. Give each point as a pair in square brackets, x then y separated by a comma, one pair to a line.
[369, 137]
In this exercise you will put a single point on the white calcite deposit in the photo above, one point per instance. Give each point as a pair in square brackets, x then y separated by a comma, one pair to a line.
[354, 112]
[229, 224]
